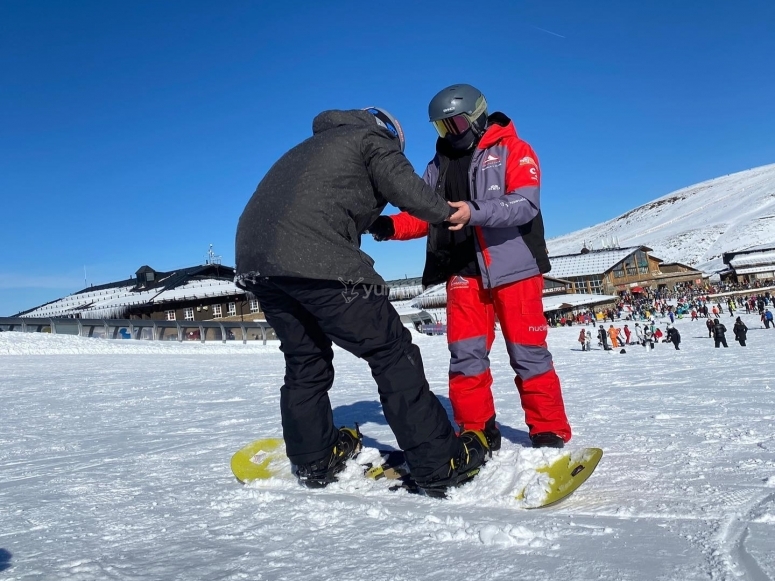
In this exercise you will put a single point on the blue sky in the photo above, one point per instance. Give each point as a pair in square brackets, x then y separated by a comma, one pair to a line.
[134, 132]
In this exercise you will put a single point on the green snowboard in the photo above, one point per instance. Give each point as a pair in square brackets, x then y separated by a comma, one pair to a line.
[548, 485]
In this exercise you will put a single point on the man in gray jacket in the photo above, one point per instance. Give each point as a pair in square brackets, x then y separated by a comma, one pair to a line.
[298, 250]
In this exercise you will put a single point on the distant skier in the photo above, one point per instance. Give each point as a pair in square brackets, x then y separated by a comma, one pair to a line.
[583, 340]
[673, 336]
[627, 334]
[718, 333]
[741, 331]
[602, 337]
[709, 325]
[588, 340]
[648, 337]
[694, 314]
[638, 334]
[613, 334]
[767, 318]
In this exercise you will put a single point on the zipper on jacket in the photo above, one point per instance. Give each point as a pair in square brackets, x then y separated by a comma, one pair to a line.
[479, 234]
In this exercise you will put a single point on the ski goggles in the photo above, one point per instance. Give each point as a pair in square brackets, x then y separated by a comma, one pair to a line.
[456, 125]
[459, 124]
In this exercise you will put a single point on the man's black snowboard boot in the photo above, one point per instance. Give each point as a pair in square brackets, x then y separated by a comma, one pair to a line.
[322, 472]
[461, 469]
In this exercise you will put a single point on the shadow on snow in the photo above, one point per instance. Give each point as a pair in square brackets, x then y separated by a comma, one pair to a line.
[370, 411]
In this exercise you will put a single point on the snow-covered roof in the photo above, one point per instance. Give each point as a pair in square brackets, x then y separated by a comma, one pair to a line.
[753, 259]
[754, 269]
[556, 302]
[594, 262]
[434, 296]
[113, 302]
[768, 246]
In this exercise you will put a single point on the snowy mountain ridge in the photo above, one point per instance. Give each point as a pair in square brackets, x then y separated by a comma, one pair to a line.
[694, 225]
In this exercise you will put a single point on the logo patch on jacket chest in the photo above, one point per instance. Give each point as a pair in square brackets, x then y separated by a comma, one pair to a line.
[491, 161]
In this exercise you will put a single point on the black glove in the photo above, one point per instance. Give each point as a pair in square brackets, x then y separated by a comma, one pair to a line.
[382, 229]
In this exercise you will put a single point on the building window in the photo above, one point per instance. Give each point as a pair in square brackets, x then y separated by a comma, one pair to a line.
[217, 313]
[232, 309]
[589, 284]
[188, 314]
[618, 273]
[641, 258]
[170, 315]
[595, 285]
[254, 306]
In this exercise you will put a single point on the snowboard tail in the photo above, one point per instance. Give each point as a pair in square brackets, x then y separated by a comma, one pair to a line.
[557, 481]
[259, 460]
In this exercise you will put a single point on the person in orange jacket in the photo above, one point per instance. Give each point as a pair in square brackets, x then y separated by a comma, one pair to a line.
[613, 334]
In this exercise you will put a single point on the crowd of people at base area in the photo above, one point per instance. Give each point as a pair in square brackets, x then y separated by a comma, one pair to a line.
[644, 308]
[647, 336]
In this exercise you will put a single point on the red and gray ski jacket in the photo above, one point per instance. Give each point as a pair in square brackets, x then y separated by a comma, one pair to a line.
[505, 185]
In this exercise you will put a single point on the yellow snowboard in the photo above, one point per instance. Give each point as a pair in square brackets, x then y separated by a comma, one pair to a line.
[265, 458]
[556, 482]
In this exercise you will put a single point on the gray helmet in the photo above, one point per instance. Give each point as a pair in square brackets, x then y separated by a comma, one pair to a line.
[456, 110]
[387, 121]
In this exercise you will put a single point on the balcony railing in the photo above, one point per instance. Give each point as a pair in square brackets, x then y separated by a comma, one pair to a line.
[143, 329]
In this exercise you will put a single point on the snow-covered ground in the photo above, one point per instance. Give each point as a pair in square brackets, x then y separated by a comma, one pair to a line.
[694, 225]
[114, 464]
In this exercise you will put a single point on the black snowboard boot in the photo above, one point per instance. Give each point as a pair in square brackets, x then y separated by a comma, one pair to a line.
[322, 472]
[461, 469]
[493, 435]
[547, 440]
[491, 431]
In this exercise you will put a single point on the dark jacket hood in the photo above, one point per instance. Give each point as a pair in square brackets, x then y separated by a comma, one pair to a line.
[336, 118]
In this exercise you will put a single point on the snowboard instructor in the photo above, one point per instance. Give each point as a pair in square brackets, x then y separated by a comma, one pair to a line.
[298, 251]
[492, 267]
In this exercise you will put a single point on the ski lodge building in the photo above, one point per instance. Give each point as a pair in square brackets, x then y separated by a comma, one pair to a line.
[750, 265]
[196, 293]
[616, 271]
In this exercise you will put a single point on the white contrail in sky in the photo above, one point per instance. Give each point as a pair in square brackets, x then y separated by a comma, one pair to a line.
[547, 31]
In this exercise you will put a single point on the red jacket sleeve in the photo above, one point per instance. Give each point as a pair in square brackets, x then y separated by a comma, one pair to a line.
[408, 227]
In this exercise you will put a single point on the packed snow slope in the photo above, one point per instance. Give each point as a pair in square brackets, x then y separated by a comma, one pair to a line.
[114, 464]
[694, 225]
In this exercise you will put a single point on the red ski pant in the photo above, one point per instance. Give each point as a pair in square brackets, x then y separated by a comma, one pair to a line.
[471, 314]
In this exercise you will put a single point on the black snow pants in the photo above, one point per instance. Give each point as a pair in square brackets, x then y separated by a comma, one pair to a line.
[721, 340]
[307, 315]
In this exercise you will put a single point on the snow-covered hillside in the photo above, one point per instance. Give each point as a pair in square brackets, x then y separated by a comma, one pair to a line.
[694, 225]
